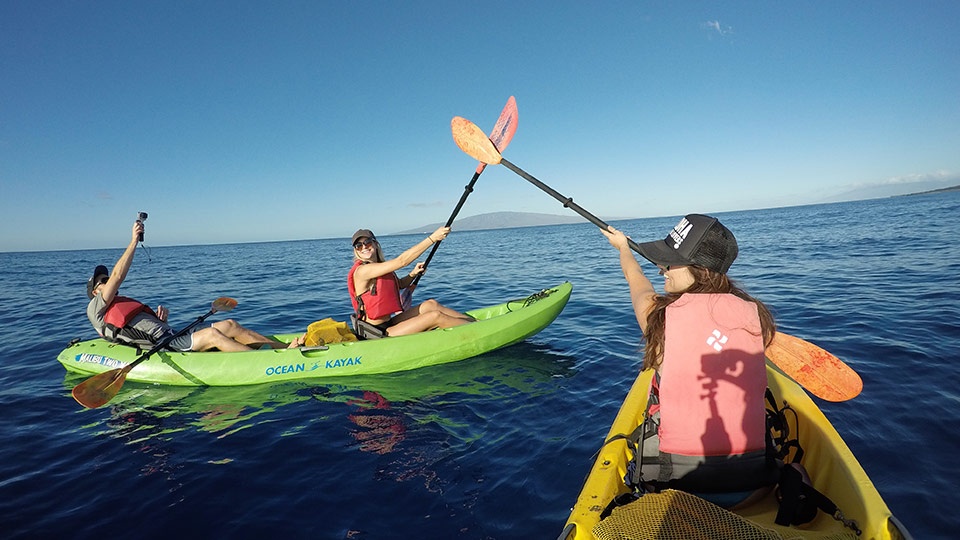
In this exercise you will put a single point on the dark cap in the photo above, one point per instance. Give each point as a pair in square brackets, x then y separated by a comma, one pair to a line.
[100, 270]
[697, 240]
[360, 234]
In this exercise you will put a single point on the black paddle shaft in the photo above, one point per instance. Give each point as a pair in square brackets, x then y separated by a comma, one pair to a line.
[467, 190]
[166, 341]
[567, 201]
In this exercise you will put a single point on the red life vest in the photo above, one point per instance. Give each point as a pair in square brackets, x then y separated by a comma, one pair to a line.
[382, 300]
[713, 377]
[122, 309]
[119, 314]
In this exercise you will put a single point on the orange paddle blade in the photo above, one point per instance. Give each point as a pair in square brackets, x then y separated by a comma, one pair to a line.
[820, 372]
[224, 303]
[504, 129]
[99, 389]
[473, 141]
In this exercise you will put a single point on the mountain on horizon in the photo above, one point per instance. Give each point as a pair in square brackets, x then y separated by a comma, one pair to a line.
[499, 220]
[882, 191]
[506, 220]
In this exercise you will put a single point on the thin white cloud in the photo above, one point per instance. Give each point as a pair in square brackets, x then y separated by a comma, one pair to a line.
[896, 185]
[936, 176]
[433, 204]
[718, 27]
[915, 178]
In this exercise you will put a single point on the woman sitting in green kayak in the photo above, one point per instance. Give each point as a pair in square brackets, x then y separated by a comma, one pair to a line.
[705, 337]
[375, 289]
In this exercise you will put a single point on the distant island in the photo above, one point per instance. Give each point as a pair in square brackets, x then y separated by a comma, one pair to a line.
[941, 190]
[506, 220]
[500, 220]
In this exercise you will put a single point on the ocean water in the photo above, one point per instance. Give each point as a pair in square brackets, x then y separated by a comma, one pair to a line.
[492, 447]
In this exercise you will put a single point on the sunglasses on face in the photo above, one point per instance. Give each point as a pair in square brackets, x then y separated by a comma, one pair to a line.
[360, 244]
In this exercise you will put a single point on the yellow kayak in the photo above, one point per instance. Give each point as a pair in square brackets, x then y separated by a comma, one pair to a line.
[834, 470]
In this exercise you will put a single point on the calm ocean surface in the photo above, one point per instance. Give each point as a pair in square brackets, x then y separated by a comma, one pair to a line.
[492, 447]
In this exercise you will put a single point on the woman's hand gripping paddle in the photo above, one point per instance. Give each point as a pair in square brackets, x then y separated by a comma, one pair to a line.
[500, 137]
[101, 388]
[820, 372]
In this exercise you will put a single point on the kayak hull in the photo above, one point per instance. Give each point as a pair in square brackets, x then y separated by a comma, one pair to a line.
[832, 466]
[496, 326]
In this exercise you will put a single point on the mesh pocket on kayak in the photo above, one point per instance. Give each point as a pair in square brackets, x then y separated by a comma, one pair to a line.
[672, 514]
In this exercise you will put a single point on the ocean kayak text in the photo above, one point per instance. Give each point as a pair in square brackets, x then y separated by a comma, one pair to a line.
[329, 364]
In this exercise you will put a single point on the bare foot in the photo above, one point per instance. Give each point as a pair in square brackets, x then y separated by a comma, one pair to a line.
[297, 342]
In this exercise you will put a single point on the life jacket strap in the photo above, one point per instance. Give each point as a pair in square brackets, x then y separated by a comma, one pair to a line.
[778, 430]
[635, 439]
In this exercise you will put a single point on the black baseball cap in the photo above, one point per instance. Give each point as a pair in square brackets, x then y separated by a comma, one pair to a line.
[698, 240]
[361, 233]
[99, 271]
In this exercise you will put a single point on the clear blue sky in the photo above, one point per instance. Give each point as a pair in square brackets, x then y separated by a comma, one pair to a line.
[258, 121]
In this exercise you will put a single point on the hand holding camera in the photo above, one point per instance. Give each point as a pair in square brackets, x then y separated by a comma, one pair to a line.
[141, 217]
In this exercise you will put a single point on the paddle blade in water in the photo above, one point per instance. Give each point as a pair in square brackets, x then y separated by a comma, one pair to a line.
[820, 372]
[99, 389]
[473, 141]
[224, 304]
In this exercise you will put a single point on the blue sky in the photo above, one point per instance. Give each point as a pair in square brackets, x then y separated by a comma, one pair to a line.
[256, 121]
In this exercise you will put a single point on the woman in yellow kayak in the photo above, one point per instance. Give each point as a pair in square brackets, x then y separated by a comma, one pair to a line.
[705, 337]
[375, 289]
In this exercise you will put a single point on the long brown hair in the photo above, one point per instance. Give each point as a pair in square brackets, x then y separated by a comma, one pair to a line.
[705, 281]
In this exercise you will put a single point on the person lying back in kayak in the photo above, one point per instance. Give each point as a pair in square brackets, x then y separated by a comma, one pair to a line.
[375, 289]
[705, 337]
[124, 320]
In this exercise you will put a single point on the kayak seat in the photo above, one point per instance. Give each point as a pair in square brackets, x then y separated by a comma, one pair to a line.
[365, 330]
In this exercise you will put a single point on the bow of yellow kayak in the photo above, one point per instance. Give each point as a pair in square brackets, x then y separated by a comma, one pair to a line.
[834, 470]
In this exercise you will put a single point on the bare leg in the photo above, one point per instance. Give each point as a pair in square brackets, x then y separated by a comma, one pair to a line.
[431, 306]
[212, 338]
[424, 321]
[240, 334]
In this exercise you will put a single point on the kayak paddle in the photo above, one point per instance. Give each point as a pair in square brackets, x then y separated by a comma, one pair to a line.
[102, 387]
[820, 372]
[474, 143]
[501, 135]
[825, 375]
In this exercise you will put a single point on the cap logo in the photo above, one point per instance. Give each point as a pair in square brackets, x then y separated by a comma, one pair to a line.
[680, 232]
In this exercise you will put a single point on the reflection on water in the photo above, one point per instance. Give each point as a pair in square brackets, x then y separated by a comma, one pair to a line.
[380, 429]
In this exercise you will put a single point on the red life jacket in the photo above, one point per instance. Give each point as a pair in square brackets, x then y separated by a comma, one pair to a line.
[713, 377]
[382, 300]
[118, 316]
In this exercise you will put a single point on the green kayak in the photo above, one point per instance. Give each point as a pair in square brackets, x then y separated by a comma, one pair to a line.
[496, 326]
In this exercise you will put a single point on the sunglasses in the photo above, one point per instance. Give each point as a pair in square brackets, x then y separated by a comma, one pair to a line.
[360, 244]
